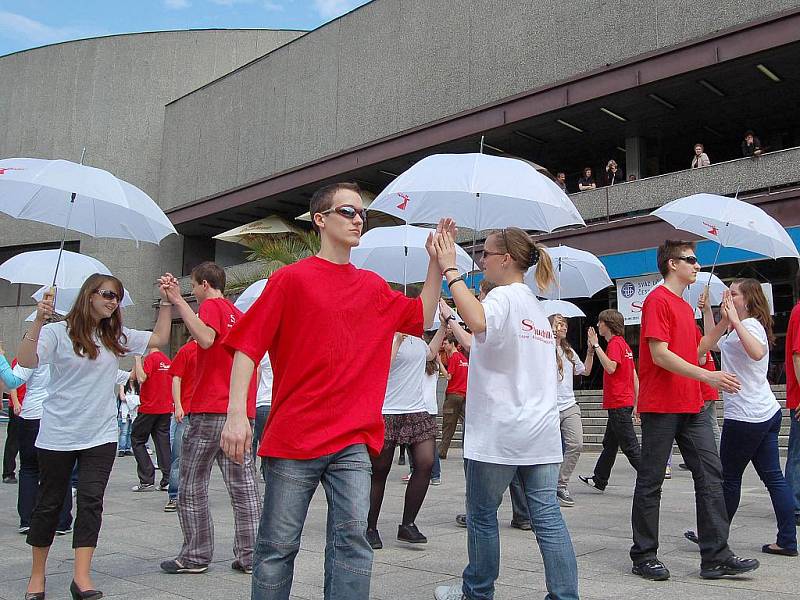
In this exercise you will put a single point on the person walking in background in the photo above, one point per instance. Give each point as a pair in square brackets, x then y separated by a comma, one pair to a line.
[455, 394]
[620, 395]
[11, 447]
[182, 372]
[700, 158]
[569, 367]
[155, 412]
[124, 422]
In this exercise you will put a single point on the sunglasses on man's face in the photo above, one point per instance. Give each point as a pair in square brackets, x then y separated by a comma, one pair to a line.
[347, 211]
[692, 260]
[109, 295]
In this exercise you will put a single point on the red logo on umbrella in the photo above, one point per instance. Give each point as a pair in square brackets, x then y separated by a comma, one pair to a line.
[712, 229]
[404, 203]
[4, 169]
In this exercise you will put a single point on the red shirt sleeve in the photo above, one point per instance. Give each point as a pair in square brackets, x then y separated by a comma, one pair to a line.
[212, 315]
[796, 342]
[614, 350]
[657, 324]
[406, 312]
[178, 366]
[147, 365]
[255, 331]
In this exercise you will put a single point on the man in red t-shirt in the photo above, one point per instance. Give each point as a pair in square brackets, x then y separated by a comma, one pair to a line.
[620, 391]
[793, 404]
[328, 328]
[153, 419]
[669, 404]
[182, 372]
[456, 394]
[201, 443]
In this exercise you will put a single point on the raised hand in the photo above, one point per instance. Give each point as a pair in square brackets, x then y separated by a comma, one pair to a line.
[445, 246]
[730, 310]
[591, 336]
[45, 308]
[445, 312]
[702, 302]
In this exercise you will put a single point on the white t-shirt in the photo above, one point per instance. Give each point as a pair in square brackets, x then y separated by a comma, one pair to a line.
[571, 368]
[755, 402]
[429, 383]
[81, 410]
[36, 381]
[511, 412]
[404, 387]
[264, 392]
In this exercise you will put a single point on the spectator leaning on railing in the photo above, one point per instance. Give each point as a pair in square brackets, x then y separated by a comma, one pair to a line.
[586, 182]
[613, 174]
[751, 145]
[700, 158]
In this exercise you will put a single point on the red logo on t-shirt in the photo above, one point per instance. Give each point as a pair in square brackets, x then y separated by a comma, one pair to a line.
[4, 169]
[404, 203]
[542, 334]
[712, 229]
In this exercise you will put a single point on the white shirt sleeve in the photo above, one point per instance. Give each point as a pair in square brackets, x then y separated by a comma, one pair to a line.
[122, 377]
[48, 342]
[496, 307]
[136, 341]
[756, 329]
[580, 369]
[22, 372]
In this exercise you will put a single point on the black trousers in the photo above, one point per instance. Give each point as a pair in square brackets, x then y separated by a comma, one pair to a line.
[55, 467]
[12, 444]
[619, 435]
[144, 427]
[695, 438]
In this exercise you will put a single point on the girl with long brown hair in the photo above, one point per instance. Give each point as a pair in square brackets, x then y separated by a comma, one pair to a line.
[79, 419]
[743, 336]
[569, 413]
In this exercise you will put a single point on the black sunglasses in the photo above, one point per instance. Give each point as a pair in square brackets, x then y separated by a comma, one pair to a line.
[347, 211]
[109, 295]
[692, 260]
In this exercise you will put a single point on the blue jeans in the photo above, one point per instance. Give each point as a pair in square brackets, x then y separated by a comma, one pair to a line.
[346, 478]
[262, 414]
[743, 443]
[176, 433]
[486, 484]
[793, 459]
[124, 444]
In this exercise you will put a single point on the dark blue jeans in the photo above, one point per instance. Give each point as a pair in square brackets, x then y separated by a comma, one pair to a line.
[262, 414]
[743, 443]
[793, 459]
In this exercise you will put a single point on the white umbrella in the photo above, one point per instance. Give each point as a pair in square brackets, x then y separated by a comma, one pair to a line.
[398, 253]
[561, 307]
[729, 222]
[579, 274]
[480, 192]
[245, 234]
[250, 295]
[38, 266]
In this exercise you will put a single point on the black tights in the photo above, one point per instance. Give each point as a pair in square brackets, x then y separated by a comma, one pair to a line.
[422, 455]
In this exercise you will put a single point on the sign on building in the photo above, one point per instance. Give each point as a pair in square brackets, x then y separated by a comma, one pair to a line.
[631, 292]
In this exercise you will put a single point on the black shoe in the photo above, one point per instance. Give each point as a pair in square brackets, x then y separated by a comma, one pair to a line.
[524, 525]
[766, 549]
[410, 534]
[10, 479]
[652, 569]
[683, 466]
[34, 595]
[237, 566]
[691, 536]
[66, 531]
[78, 594]
[461, 520]
[374, 539]
[401, 461]
[732, 566]
[591, 482]
[121, 453]
[173, 567]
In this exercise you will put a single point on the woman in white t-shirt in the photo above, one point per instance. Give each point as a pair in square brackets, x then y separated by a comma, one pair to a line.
[79, 416]
[407, 421]
[752, 415]
[569, 413]
[512, 420]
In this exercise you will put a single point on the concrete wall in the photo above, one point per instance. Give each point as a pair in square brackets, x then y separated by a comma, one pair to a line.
[108, 94]
[392, 65]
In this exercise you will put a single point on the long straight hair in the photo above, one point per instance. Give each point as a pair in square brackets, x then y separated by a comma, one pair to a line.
[83, 329]
[564, 344]
[756, 303]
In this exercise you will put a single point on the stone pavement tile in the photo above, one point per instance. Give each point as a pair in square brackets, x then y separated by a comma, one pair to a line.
[197, 587]
[58, 585]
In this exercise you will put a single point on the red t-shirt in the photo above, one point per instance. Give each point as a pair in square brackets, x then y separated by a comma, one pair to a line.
[213, 366]
[21, 389]
[618, 387]
[668, 318]
[183, 366]
[792, 347]
[156, 391]
[457, 367]
[328, 329]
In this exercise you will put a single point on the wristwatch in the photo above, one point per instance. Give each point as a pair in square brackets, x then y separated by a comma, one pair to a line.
[450, 318]
[595, 346]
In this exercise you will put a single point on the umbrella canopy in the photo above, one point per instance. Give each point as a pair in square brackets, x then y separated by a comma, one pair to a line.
[478, 191]
[730, 222]
[245, 234]
[37, 267]
[250, 295]
[579, 274]
[398, 254]
[104, 206]
[561, 307]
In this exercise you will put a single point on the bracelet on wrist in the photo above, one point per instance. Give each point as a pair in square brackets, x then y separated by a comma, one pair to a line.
[165, 303]
[26, 336]
[456, 280]
[446, 271]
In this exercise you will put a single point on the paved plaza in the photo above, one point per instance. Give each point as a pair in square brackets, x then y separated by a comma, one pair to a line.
[137, 535]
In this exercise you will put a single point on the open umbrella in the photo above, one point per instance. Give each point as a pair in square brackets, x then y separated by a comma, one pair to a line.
[250, 295]
[579, 274]
[705, 279]
[245, 234]
[561, 307]
[38, 266]
[398, 253]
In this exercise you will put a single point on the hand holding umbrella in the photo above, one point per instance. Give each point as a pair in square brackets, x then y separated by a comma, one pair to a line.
[45, 308]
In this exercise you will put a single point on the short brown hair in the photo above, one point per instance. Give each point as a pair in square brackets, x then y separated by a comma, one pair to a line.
[322, 199]
[670, 250]
[210, 272]
[613, 320]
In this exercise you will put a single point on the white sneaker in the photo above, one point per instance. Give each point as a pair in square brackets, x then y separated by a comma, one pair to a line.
[448, 592]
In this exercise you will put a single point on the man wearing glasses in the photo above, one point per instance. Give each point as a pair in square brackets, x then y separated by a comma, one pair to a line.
[326, 398]
[670, 403]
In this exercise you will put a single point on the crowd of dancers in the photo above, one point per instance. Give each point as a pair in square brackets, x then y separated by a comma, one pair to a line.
[246, 385]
